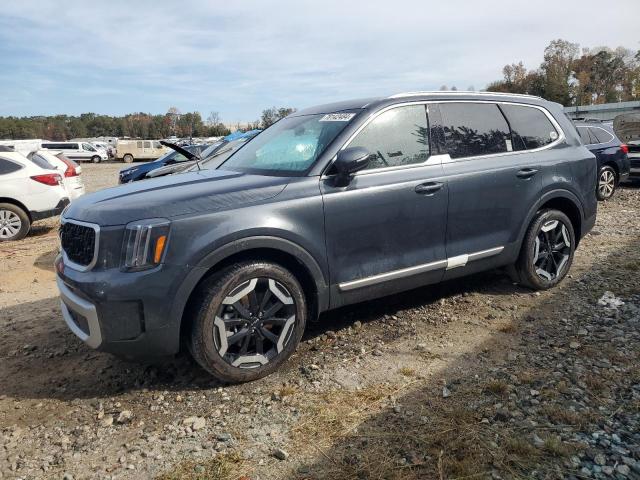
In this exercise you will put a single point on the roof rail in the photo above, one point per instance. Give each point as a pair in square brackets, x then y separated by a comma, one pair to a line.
[460, 92]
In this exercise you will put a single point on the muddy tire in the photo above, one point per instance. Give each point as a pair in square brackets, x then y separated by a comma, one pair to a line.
[547, 251]
[246, 321]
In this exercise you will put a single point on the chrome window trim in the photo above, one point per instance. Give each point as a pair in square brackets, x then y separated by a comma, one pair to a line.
[94, 260]
[447, 264]
[446, 158]
[594, 126]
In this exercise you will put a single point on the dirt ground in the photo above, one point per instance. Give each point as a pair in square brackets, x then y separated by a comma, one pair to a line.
[474, 378]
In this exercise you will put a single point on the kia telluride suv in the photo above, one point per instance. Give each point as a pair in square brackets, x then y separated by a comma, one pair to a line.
[330, 206]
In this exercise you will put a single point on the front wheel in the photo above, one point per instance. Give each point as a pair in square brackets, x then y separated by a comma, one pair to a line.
[96, 159]
[128, 158]
[247, 320]
[547, 251]
[607, 182]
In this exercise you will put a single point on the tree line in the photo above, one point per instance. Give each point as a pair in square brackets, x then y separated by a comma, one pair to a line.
[134, 125]
[573, 76]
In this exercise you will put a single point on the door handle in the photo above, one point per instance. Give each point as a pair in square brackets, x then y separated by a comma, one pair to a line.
[526, 173]
[428, 188]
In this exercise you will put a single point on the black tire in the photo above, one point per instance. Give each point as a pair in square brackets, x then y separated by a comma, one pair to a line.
[607, 183]
[530, 269]
[10, 215]
[205, 340]
[96, 159]
[128, 158]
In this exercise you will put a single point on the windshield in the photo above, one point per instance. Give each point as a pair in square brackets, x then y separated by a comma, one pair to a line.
[213, 161]
[210, 149]
[290, 146]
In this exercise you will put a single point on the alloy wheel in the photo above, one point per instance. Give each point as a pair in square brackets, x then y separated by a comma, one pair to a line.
[606, 183]
[552, 249]
[10, 224]
[254, 323]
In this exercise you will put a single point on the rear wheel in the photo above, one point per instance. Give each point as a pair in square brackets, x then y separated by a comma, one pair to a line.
[14, 222]
[128, 158]
[547, 251]
[96, 159]
[247, 320]
[607, 183]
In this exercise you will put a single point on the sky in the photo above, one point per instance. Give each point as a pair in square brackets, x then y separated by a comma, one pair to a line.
[238, 58]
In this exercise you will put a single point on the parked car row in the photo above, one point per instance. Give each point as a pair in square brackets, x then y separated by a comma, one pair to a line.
[184, 158]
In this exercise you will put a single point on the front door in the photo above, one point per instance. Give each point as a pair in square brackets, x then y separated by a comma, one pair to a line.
[385, 231]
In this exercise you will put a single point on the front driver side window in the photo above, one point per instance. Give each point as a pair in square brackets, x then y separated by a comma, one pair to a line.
[399, 136]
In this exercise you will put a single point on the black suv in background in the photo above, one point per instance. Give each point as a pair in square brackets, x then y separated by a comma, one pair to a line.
[332, 205]
[611, 154]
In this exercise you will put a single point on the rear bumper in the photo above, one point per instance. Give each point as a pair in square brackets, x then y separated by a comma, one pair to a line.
[50, 213]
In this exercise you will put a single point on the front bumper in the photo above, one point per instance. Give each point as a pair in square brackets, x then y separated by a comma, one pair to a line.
[80, 315]
[124, 313]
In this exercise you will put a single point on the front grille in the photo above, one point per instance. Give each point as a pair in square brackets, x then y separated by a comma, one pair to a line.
[78, 243]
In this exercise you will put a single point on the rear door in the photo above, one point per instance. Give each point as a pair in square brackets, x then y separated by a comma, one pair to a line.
[493, 176]
[385, 231]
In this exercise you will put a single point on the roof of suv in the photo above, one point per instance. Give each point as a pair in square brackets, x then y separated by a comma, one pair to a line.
[375, 102]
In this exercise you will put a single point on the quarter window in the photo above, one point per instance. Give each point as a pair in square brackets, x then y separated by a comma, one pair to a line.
[147, 144]
[473, 129]
[139, 144]
[585, 137]
[7, 166]
[530, 127]
[399, 136]
[601, 135]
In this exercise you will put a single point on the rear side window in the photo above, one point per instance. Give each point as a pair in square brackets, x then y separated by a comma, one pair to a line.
[585, 137]
[474, 129]
[600, 134]
[399, 136]
[41, 162]
[7, 166]
[139, 144]
[530, 127]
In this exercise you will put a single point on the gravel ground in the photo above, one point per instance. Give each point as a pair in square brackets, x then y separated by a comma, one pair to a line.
[473, 378]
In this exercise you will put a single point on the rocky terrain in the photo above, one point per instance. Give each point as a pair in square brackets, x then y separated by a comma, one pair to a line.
[476, 378]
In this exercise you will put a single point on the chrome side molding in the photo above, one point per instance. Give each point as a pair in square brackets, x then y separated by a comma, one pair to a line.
[448, 264]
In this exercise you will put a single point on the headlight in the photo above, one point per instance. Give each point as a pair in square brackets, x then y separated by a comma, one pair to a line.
[145, 242]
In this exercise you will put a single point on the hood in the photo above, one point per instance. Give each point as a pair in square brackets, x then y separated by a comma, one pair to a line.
[170, 196]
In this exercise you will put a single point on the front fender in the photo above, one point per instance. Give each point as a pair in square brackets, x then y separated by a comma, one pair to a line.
[245, 244]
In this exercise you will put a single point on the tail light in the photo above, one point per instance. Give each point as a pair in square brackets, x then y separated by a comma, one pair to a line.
[73, 169]
[624, 148]
[51, 179]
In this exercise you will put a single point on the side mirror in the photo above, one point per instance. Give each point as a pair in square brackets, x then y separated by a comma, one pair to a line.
[350, 161]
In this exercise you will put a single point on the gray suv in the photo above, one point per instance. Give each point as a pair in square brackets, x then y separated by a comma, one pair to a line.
[333, 205]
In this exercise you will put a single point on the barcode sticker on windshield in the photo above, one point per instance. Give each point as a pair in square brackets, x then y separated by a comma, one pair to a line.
[337, 117]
